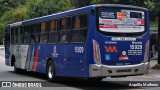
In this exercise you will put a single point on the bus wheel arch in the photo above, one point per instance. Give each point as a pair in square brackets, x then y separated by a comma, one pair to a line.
[50, 70]
[13, 60]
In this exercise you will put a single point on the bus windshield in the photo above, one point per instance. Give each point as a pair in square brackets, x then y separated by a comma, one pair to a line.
[116, 20]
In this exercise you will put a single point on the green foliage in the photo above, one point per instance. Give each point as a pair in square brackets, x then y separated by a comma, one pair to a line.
[39, 8]
[19, 14]
[151, 6]
[6, 17]
[81, 3]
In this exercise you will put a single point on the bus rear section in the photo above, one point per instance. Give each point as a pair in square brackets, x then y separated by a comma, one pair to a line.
[120, 42]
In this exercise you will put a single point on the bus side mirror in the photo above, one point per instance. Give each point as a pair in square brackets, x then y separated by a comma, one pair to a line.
[92, 11]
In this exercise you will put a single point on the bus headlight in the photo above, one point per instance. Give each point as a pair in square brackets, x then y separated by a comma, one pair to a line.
[146, 53]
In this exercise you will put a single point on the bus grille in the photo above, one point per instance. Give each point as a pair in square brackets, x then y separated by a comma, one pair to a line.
[123, 70]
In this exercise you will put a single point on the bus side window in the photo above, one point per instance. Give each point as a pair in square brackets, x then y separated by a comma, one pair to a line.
[7, 37]
[65, 23]
[65, 31]
[76, 22]
[26, 34]
[83, 21]
[20, 35]
[79, 28]
[53, 32]
[35, 33]
[43, 33]
[16, 35]
[12, 35]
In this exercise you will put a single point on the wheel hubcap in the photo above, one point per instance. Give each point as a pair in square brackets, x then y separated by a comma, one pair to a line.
[50, 71]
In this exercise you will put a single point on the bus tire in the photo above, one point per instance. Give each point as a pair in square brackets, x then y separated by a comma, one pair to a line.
[51, 72]
[16, 70]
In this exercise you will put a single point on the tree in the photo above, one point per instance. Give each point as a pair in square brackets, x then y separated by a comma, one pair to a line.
[41, 7]
[80, 3]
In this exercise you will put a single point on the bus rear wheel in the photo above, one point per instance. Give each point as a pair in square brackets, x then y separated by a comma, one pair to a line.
[51, 72]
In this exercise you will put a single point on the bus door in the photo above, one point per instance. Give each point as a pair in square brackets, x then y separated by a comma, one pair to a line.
[7, 45]
[23, 47]
[20, 47]
[16, 47]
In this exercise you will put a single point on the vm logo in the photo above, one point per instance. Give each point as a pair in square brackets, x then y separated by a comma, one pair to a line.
[111, 48]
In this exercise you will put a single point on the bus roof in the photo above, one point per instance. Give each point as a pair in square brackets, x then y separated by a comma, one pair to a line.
[69, 12]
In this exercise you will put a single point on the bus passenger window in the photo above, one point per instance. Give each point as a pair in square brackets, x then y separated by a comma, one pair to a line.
[19, 35]
[22, 34]
[33, 40]
[76, 22]
[43, 33]
[78, 36]
[65, 23]
[65, 32]
[35, 33]
[83, 21]
[53, 32]
[43, 27]
[26, 34]
[53, 25]
[65, 36]
[16, 35]
[79, 28]
[7, 38]
[12, 36]
[25, 37]
[53, 37]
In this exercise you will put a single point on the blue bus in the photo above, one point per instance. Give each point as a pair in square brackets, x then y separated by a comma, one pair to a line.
[97, 41]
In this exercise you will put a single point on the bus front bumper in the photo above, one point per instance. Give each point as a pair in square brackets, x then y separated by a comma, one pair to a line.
[126, 70]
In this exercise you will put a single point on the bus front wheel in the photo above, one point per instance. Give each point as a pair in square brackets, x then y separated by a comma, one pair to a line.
[51, 71]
